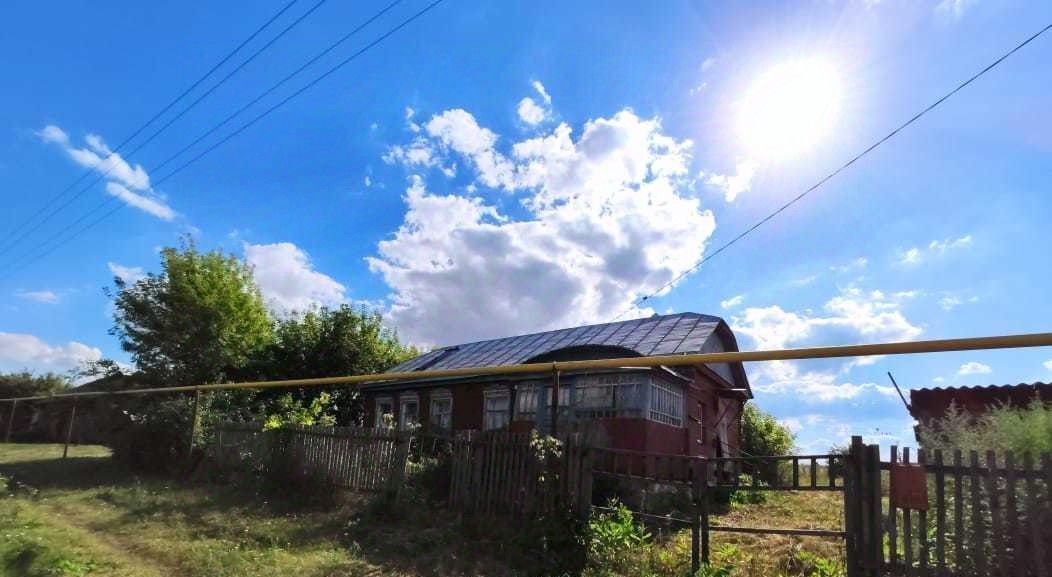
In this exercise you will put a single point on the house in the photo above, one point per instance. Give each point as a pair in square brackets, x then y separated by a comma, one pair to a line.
[928, 404]
[692, 410]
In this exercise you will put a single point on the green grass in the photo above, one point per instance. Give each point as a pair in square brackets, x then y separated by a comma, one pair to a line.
[88, 516]
[85, 515]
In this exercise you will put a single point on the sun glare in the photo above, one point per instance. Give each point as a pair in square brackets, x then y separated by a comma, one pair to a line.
[789, 108]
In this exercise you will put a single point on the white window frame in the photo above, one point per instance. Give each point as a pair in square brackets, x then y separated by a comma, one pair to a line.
[666, 404]
[491, 418]
[381, 401]
[446, 418]
[405, 399]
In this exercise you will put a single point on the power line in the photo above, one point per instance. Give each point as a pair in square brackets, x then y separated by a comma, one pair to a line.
[239, 130]
[137, 131]
[840, 169]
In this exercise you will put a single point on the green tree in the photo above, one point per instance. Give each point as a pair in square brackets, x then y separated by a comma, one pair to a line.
[329, 342]
[763, 435]
[27, 384]
[198, 321]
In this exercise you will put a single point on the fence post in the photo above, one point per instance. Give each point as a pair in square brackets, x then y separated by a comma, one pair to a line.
[10, 422]
[695, 518]
[874, 518]
[554, 432]
[194, 424]
[69, 430]
[853, 507]
[584, 494]
[397, 478]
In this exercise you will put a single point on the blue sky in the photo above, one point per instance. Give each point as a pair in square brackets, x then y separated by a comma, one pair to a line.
[497, 168]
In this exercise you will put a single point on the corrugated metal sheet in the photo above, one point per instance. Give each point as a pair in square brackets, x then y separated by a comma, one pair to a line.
[657, 335]
[934, 403]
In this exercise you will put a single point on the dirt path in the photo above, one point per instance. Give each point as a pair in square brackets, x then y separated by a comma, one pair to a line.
[128, 556]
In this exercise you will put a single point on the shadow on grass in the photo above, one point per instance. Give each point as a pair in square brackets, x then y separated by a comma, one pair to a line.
[70, 473]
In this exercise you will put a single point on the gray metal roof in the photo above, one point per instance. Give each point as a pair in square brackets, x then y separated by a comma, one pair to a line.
[657, 335]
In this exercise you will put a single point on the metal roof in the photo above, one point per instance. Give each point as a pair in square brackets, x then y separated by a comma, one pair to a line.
[656, 335]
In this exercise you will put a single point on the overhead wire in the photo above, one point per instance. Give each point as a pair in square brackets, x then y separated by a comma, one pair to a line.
[4, 246]
[64, 236]
[833, 174]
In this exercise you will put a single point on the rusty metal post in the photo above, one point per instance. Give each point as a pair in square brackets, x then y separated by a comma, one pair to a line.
[555, 403]
[10, 422]
[69, 430]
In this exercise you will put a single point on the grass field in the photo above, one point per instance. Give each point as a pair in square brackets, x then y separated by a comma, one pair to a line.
[87, 516]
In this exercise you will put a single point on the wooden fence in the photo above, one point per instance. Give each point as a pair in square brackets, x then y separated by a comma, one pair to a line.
[349, 457]
[503, 472]
[982, 515]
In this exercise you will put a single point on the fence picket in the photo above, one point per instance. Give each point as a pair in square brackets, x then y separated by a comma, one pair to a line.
[893, 532]
[978, 533]
[940, 514]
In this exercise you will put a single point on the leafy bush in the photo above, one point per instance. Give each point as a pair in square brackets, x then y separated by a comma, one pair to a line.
[1001, 428]
[615, 544]
[289, 411]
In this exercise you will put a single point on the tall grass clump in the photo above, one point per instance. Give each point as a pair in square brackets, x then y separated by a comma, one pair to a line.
[1002, 428]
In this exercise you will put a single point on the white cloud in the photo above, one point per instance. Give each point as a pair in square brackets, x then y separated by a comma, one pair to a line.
[916, 255]
[708, 63]
[607, 218]
[128, 274]
[530, 112]
[850, 266]
[852, 316]
[1048, 364]
[23, 351]
[288, 281]
[541, 91]
[44, 296]
[734, 184]
[974, 368]
[128, 182]
[950, 302]
[910, 256]
[732, 302]
[938, 380]
[955, 8]
[148, 204]
[941, 246]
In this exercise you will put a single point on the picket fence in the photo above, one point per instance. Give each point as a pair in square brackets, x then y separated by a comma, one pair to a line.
[349, 457]
[505, 472]
[985, 515]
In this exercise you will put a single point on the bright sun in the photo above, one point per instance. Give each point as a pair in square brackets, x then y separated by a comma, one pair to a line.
[789, 108]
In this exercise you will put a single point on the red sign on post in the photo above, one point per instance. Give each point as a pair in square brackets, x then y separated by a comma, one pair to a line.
[909, 487]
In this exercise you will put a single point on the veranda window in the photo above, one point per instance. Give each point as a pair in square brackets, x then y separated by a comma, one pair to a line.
[613, 395]
[528, 396]
[495, 409]
[666, 404]
[442, 409]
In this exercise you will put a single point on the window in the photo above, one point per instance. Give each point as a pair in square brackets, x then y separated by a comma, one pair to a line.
[442, 409]
[409, 413]
[384, 407]
[495, 409]
[612, 395]
[529, 395]
[666, 404]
